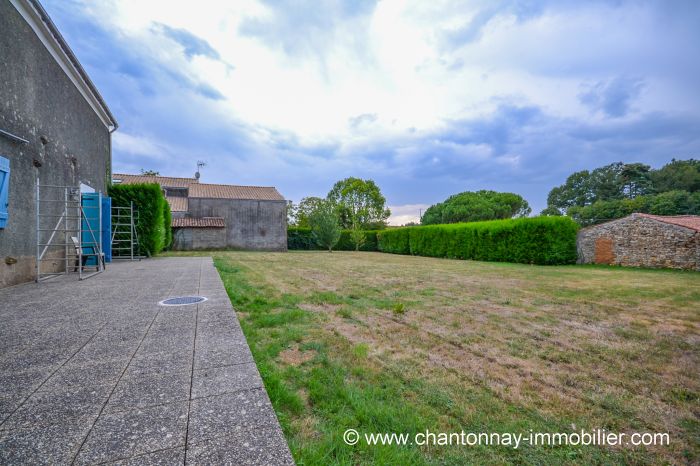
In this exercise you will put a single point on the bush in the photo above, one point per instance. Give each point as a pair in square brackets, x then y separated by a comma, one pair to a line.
[167, 226]
[302, 239]
[153, 231]
[540, 240]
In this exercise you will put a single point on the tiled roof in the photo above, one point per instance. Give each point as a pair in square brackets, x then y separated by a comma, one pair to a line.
[163, 181]
[225, 191]
[688, 221]
[203, 222]
[177, 204]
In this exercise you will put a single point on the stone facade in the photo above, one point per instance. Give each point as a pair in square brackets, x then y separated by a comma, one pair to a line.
[189, 239]
[642, 241]
[250, 224]
[62, 128]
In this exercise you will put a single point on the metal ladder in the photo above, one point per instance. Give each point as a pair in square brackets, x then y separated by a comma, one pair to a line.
[125, 237]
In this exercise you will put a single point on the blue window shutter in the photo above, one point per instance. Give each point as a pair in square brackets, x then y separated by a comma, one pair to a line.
[4, 190]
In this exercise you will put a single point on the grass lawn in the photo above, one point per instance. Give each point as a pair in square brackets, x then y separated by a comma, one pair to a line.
[387, 343]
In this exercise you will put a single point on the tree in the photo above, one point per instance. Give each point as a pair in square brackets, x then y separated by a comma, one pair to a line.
[475, 206]
[635, 180]
[359, 201]
[303, 210]
[681, 175]
[357, 236]
[324, 225]
[149, 172]
[550, 211]
[619, 181]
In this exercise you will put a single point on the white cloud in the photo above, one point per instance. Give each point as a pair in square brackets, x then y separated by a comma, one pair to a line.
[139, 145]
[403, 214]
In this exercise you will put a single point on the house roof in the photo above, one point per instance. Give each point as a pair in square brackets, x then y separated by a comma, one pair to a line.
[177, 204]
[225, 191]
[163, 181]
[48, 33]
[203, 222]
[688, 221]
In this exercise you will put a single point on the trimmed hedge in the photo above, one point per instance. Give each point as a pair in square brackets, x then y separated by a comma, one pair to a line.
[539, 240]
[302, 239]
[153, 225]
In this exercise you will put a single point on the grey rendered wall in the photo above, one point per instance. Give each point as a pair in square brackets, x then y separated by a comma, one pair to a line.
[639, 242]
[258, 225]
[38, 100]
[188, 239]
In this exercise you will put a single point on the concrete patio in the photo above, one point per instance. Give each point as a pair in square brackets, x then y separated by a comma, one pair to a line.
[97, 372]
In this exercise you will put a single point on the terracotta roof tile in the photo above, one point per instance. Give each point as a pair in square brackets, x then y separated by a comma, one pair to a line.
[688, 221]
[163, 181]
[225, 191]
[177, 204]
[203, 222]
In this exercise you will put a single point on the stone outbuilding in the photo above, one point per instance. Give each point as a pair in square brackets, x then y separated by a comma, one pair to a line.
[643, 240]
[220, 216]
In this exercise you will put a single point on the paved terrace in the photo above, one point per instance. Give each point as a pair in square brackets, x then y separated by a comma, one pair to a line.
[97, 372]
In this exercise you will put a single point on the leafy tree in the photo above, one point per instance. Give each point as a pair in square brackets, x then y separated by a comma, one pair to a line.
[476, 206]
[551, 211]
[359, 201]
[324, 225]
[635, 180]
[668, 203]
[681, 175]
[576, 191]
[302, 211]
[150, 172]
[357, 236]
[619, 181]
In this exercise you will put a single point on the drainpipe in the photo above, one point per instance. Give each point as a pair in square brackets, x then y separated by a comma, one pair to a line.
[13, 137]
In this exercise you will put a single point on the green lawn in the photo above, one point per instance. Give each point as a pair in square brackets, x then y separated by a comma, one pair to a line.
[387, 343]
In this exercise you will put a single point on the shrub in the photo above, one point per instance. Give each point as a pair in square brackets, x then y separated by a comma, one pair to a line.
[324, 226]
[540, 240]
[167, 226]
[153, 231]
[302, 239]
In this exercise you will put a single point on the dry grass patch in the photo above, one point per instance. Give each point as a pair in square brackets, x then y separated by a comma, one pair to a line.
[538, 347]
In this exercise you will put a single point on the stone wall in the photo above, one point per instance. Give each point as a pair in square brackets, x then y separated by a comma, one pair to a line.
[250, 224]
[188, 239]
[639, 241]
[68, 142]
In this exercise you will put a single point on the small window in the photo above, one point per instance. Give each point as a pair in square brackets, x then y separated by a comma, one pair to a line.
[4, 190]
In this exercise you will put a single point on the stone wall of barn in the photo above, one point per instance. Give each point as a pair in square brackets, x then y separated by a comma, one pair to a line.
[641, 242]
[250, 224]
[188, 239]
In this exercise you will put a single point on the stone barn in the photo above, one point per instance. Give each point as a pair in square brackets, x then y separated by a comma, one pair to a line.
[643, 240]
[55, 131]
[220, 216]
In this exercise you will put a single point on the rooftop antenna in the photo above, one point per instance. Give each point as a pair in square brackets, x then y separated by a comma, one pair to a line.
[200, 164]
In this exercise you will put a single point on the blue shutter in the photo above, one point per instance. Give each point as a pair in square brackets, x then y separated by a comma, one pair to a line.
[4, 190]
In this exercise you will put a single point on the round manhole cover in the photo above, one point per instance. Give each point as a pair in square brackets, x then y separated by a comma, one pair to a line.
[182, 301]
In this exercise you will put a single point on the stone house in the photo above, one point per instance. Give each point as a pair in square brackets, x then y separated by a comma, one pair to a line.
[219, 216]
[643, 240]
[55, 130]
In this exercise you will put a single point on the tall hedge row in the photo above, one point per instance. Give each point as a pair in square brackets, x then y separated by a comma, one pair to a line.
[154, 217]
[539, 240]
[301, 238]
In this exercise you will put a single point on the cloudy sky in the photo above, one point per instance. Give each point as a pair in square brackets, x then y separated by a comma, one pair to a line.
[428, 98]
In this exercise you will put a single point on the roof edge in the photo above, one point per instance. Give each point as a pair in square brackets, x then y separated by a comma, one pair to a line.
[47, 32]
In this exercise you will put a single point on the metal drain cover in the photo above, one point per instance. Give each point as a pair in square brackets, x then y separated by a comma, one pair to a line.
[182, 301]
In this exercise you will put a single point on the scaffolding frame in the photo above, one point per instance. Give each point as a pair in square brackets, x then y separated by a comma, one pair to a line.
[65, 204]
[125, 237]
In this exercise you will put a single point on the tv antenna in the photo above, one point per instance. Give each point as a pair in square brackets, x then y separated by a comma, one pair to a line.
[200, 164]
